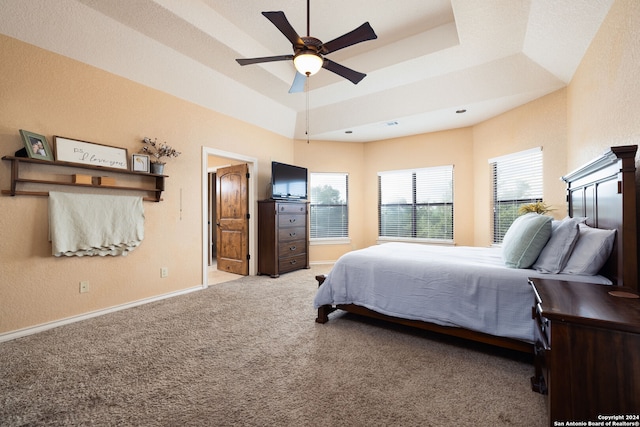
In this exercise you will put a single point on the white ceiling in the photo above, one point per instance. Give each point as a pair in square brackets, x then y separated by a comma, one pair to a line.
[430, 59]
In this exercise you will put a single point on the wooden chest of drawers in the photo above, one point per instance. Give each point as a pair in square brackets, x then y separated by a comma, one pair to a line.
[587, 351]
[283, 237]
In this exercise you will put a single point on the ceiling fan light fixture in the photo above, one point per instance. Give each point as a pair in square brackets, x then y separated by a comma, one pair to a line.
[309, 52]
[308, 63]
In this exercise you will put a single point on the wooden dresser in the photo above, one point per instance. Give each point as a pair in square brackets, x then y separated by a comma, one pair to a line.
[587, 351]
[283, 236]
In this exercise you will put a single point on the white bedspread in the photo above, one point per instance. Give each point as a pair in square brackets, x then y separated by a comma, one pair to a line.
[467, 287]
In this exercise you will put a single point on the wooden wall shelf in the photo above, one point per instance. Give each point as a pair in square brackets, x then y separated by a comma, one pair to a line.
[155, 186]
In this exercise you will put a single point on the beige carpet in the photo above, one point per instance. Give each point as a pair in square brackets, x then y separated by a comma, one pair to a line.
[248, 352]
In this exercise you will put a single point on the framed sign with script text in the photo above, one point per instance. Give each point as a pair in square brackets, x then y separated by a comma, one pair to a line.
[89, 153]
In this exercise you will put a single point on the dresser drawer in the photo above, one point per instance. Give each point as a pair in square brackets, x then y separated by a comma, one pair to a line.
[289, 249]
[291, 233]
[292, 263]
[292, 220]
[293, 208]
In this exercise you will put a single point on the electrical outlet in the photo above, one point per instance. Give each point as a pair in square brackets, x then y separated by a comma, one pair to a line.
[84, 286]
[164, 272]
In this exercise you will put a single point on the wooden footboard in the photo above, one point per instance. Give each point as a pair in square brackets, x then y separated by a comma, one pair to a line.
[325, 310]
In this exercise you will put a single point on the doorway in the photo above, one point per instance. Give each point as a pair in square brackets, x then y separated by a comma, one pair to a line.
[212, 160]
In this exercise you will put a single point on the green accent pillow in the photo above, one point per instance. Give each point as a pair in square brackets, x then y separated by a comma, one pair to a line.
[525, 239]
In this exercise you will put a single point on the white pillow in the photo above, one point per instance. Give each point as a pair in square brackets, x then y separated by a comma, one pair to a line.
[524, 240]
[591, 251]
[578, 219]
[556, 253]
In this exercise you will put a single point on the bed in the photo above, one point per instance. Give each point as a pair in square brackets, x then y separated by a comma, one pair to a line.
[468, 292]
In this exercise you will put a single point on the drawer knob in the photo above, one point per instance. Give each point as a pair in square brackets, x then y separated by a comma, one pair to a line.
[292, 248]
[292, 220]
[293, 261]
[292, 234]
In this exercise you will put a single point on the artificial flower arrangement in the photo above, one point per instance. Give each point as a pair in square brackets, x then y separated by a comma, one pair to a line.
[158, 151]
[537, 207]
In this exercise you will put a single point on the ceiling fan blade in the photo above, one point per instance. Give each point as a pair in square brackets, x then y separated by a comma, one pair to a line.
[349, 74]
[280, 21]
[298, 83]
[247, 61]
[363, 33]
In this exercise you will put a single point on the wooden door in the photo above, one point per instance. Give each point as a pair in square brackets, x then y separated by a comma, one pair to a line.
[232, 222]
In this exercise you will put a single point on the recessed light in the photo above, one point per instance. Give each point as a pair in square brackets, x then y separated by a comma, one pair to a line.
[461, 111]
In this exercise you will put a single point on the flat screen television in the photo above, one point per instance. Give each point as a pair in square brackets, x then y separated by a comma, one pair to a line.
[288, 182]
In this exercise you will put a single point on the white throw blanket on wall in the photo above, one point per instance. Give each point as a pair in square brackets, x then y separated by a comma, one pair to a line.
[94, 224]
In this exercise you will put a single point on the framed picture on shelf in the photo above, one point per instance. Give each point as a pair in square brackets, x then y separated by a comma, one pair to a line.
[36, 145]
[140, 163]
[90, 153]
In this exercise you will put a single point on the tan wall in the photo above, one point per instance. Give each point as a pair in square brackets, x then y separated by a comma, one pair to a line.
[604, 95]
[364, 161]
[217, 161]
[541, 123]
[51, 95]
[454, 147]
[325, 156]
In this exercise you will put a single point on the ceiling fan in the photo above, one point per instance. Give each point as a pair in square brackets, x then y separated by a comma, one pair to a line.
[309, 52]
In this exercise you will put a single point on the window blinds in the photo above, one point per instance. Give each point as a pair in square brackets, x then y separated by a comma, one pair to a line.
[416, 204]
[517, 180]
[329, 214]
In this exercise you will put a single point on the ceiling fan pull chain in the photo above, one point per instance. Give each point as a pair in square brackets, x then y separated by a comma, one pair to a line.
[306, 84]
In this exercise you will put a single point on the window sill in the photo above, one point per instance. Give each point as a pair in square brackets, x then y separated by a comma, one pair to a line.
[330, 241]
[422, 241]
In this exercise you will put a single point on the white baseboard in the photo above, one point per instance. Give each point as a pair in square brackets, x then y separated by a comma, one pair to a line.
[8, 336]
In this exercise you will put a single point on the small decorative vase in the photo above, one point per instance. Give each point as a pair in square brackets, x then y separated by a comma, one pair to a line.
[157, 168]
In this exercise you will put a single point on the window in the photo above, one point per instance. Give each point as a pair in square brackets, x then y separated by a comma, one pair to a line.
[329, 213]
[416, 204]
[517, 179]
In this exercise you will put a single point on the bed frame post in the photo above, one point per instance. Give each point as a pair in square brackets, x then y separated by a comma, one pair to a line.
[323, 311]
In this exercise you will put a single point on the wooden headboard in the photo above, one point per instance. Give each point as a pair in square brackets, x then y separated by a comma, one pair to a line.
[604, 191]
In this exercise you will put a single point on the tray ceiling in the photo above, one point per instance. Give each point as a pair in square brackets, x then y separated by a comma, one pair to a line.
[431, 58]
